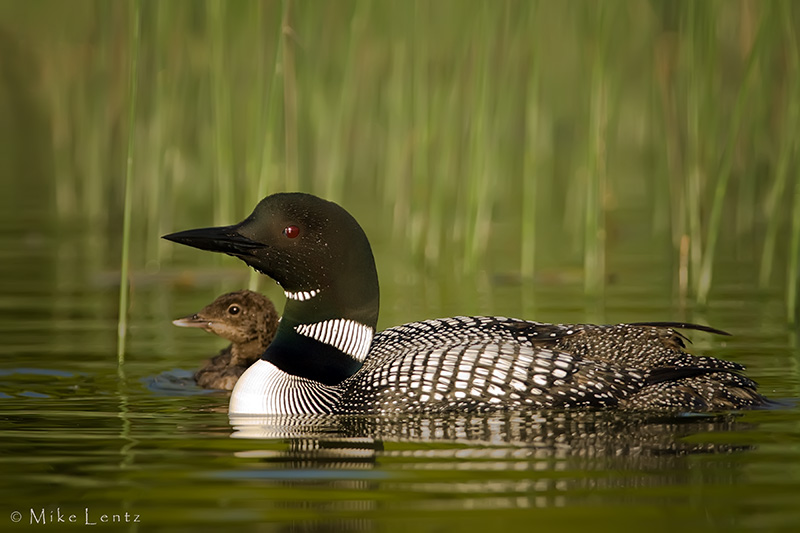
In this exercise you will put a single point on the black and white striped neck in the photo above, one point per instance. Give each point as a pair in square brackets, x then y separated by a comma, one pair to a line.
[319, 339]
[327, 351]
[301, 371]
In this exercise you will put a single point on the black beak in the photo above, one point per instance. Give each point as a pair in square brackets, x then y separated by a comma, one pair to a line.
[223, 239]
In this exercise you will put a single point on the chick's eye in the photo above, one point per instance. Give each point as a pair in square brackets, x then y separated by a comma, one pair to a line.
[234, 310]
[291, 231]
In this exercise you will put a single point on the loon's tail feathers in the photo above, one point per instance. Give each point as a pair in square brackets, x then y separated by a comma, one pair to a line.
[695, 389]
[681, 325]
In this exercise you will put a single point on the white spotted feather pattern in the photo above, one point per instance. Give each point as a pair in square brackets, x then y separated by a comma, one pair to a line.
[479, 364]
[473, 364]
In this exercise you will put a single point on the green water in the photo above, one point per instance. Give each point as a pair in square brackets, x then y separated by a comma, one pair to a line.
[78, 433]
[541, 160]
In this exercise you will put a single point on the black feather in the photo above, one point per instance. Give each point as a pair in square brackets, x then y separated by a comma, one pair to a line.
[681, 325]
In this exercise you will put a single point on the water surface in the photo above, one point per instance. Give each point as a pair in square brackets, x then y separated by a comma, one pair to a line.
[81, 435]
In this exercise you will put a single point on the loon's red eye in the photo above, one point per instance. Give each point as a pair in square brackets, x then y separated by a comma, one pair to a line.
[291, 231]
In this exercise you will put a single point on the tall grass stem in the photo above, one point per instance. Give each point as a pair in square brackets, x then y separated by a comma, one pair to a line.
[715, 218]
[133, 47]
[289, 99]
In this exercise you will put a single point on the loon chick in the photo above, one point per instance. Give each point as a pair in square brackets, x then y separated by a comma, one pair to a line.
[247, 319]
[326, 358]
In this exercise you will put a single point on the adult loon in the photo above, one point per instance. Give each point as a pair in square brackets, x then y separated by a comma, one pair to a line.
[325, 357]
[247, 319]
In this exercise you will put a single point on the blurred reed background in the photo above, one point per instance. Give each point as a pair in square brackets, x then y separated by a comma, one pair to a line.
[457, 120]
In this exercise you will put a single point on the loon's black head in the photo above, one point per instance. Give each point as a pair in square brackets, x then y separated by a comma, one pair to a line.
[321, 257]
[313, 248]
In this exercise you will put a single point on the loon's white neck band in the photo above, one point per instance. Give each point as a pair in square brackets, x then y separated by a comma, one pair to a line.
[349, 336]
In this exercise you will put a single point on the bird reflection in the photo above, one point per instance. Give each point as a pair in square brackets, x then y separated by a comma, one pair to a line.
[506, 460]
[569, 433]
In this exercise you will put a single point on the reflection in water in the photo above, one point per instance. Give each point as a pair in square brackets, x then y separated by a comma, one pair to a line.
[502, 461]
[574, 433]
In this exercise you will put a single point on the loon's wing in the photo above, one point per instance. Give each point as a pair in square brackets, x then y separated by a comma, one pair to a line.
[642, 346]
[473, 364]
[673, 378]
[480, 364]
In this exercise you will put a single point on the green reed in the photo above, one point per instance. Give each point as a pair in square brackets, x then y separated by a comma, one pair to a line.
[216, 17]
[265, 107]
[726, 164]
[793, 266]
[775, 198]
[532, 170]
[787, 95]
[290, 117]
[696, 56]
[133, 78]
[596, 157]
[530, 178]
[478, 202]
[791, 149]
[476, 129]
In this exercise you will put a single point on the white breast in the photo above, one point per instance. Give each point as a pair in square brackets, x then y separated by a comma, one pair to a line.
[264, 389]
